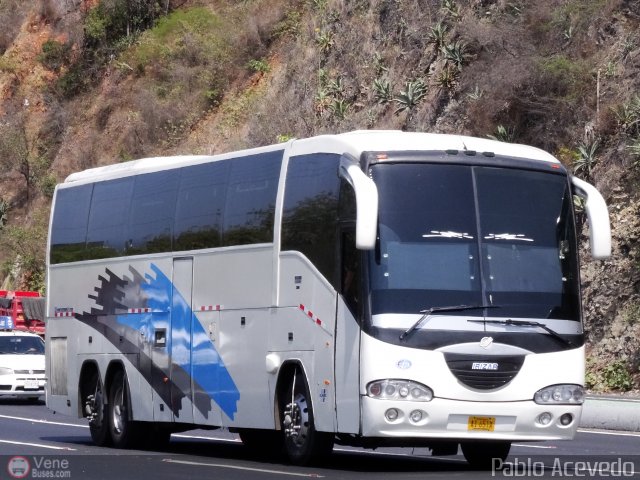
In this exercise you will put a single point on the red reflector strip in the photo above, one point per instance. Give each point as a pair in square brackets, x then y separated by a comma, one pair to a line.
[139, 310]
[63, 312]
[309, 314]
[210, 308]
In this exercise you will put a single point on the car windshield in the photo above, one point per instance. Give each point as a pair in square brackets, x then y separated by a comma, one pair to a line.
[474, 235]
[17, 345]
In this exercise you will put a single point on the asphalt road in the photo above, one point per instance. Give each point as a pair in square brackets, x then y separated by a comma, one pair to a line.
[35, 443]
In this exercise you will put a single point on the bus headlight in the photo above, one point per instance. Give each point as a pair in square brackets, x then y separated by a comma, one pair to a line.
[399, 390]
[560, 395]
[6, 371]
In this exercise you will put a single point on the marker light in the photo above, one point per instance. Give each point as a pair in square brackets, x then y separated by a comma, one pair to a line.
[391, 414]
[560, 395]
[399, 390]
[544, 418]
[566, 419]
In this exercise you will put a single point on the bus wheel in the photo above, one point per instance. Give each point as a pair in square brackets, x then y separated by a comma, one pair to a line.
[484, 454]
[96, 411]
[124, 432]
[302, 443]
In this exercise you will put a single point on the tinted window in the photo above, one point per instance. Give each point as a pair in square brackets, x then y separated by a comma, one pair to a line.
[109, 217]
[201, 198]
[465, 235]
[527, 226]
[251, 199]
[310, 210]
[70, 217]
[427, 255]
[21, 345]
[151, 216]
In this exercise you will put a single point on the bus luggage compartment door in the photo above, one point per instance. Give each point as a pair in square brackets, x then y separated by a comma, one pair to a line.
[181, 340]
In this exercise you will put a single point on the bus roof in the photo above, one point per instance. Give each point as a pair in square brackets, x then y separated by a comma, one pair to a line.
[353, 143]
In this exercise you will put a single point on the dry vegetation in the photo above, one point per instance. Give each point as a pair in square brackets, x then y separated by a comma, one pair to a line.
[92, 82]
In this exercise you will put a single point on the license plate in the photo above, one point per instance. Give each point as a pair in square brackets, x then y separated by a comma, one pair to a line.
[482, 423]
[31, 384]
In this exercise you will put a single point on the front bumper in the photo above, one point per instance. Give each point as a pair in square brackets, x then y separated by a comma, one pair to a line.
[21, 385]
[449, 419]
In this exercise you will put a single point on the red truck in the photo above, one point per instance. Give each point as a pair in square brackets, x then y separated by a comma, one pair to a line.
[26, 310]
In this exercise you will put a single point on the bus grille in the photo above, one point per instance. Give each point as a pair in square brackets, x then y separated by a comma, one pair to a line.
[484, 372]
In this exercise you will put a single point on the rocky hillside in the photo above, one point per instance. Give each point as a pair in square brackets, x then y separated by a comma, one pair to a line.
[92, 82]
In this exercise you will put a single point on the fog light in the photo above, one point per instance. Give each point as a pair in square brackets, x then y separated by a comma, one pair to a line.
[566, 419]
[544, 418]
[415, 416]
[391, 414]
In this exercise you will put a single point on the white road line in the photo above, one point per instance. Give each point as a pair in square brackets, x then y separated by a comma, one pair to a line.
[248, 469]
[200, 437]
[526, 445]
[39, 445]
[32, 420]
[603, 432]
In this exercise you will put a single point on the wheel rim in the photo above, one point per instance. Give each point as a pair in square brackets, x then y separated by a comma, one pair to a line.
[296, 421]
[118, 411]
[97, 407]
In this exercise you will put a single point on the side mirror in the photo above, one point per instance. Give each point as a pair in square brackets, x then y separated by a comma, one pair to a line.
[598, 216]
[366, 204]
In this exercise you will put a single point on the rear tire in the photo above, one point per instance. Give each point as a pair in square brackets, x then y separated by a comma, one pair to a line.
[98, 413]
[124, 432]
[303, 444]
[483, 455]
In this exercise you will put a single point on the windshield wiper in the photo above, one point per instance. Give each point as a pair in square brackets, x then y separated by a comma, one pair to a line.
[527, 323]
[430, 311]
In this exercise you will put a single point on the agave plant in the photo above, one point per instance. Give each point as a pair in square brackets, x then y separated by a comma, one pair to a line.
[411, 96]
[586, 157]
[456, 53]
[382, 91]
[503, 134]
[437, 34]
[339, 108]
[447, 78]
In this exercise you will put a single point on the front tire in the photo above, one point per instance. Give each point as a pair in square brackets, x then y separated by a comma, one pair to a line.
[124, 432]
[302, 442]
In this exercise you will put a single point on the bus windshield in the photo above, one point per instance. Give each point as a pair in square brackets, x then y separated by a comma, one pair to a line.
[474, 235]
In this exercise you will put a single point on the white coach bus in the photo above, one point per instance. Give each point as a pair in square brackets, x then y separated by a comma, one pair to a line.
[373, 288]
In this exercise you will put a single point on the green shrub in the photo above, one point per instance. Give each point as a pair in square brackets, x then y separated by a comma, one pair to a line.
[616, 376]
[193, 37]
[261, 66]
[55, 55]
[565, 77]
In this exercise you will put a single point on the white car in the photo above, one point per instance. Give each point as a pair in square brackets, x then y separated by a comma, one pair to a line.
[21, 365]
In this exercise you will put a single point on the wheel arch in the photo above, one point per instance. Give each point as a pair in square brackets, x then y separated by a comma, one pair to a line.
[88, 369]
[285, 374]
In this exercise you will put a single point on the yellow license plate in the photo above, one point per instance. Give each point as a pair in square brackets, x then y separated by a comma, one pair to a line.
[482, 423]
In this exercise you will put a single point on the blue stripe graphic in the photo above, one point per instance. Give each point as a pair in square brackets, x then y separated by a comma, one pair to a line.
[202, 361]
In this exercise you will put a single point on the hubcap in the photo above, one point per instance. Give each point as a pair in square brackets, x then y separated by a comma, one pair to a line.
[296, 420]
[118, 412]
